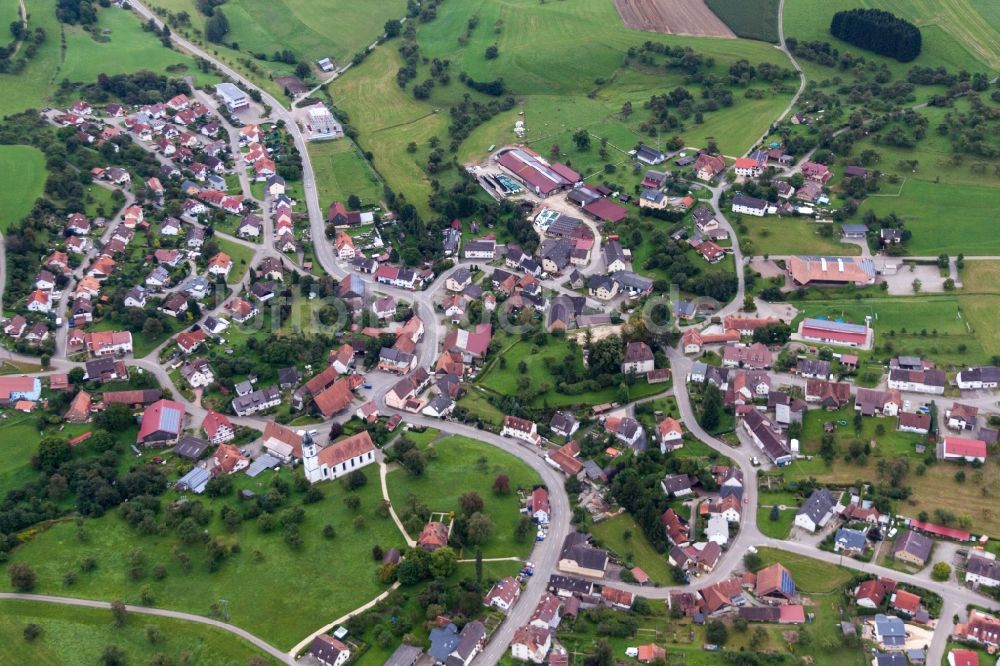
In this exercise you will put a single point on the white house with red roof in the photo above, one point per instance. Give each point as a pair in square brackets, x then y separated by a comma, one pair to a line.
[540, 509]
[961, 448]
[522, 429]
[670, 434]
[218, 428]
[39, 301]
[220, 264]
[503, 595]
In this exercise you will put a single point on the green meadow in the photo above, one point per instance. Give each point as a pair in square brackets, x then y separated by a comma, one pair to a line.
[558, 90]
[73, 636]
[341, 170]
[23, 169]
[273, 590]
[334, 29]
[956, 34]
[124, 48]
[456, 465]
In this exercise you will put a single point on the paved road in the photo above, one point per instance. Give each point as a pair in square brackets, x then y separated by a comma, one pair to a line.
[159, 612]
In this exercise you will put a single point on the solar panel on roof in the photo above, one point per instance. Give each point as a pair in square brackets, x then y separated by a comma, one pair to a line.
[170, 419]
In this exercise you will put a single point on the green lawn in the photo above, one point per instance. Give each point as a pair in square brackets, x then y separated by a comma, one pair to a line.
[341, 170]
[454, 467]
[778, 529]
[77, 637]
[279, 594]
[929, 325]
[636, 550]
[791, 235]
[477, 404]
[504, 380]
[811, 576]
[24, 171]
[929, 209]
[241, 255]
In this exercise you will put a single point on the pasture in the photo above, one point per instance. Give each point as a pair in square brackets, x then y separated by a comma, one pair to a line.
[22, 169]
[388, 118]
[308, 594]
[956, 34]
[336, 29]
[341, 170]
[127, 49]
[750, 20]
[77, 636]
[937, 326]
[558, 91]
[456, 465]
[944, 217]
[791, 235]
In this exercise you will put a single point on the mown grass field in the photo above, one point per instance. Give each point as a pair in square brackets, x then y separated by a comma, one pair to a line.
[455, 466]
[928, 325]
[342, 171]
[981, 277]
[791, 235]
[23, 172]
[388, 118]
[278, 594]
[128, 49]
[77, 637]
[539, 360]
[636, 550]
[336, 29]
[751, 20]
[956, 34]
[943, 217]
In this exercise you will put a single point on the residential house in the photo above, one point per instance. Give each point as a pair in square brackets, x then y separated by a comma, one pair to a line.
[218, 428]
[817, 510]
[521, 429]
[579, 557]
[638, 359]
[564, 424]
[503, 595]
[669, 432]
[919, 381]
[256, 401]
[962, 417]
[767, 436]
[912, 547]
